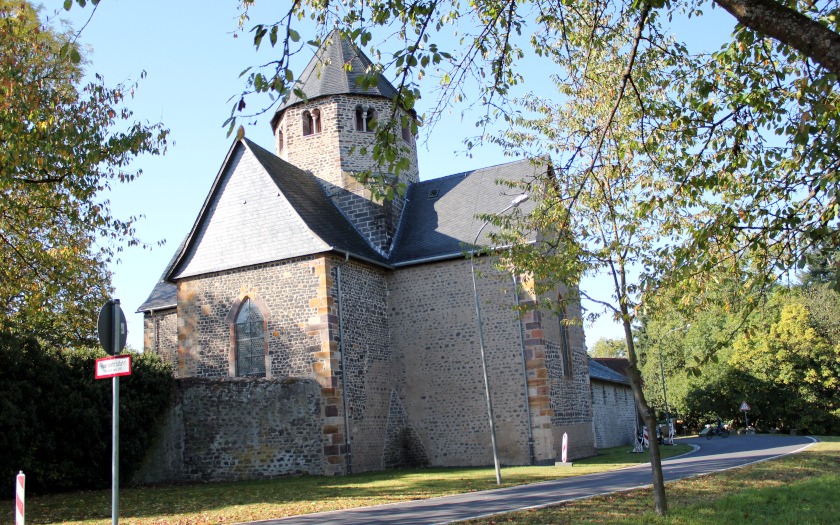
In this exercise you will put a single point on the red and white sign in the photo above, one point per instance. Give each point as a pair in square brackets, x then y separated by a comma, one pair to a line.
[744, 406]
[119, 365]
[19, 496]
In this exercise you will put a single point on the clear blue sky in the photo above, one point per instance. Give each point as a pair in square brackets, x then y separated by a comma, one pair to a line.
[193, 63]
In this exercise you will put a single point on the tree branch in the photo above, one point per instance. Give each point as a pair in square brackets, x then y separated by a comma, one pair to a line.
[790, 27]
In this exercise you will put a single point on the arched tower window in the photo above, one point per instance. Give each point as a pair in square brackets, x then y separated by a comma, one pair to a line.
[406, 134]
[370, 116]
[565, 349]
[364, 119]
[316, 121]
[360, 118]
[280, 142]
[249, 340]
[308, 123]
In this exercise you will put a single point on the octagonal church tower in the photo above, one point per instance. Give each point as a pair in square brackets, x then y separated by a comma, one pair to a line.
[325, 131]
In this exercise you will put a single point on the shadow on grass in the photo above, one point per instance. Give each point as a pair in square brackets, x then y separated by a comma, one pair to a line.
[305, 494]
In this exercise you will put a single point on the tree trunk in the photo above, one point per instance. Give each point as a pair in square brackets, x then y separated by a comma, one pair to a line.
[635, 377]
[790, 27]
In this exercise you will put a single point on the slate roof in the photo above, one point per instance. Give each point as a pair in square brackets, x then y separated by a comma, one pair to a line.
[164, 295]
[312, 204]
[604, 373]
[616, 364]
[320, 81]
[263, 209]
[439, 219]
[438, 222]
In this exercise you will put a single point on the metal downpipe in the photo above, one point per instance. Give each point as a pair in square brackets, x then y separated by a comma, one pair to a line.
[341, 349]
[531, 458]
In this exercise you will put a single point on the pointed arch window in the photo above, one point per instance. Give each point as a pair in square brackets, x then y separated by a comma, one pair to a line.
[280, 142]
[565, 349]
[249, 340]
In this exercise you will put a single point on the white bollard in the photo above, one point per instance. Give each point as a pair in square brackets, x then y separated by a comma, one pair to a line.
[19, 497]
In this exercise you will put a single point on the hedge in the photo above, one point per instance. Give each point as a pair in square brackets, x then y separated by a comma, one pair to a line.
[56, 417]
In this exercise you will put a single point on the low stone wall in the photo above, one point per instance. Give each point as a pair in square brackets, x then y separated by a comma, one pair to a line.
[614, 418]
[234, 429]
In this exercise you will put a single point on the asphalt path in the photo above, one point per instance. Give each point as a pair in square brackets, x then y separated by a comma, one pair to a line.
[709, 456]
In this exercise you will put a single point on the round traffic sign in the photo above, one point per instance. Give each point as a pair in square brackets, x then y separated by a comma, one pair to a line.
[106, 329]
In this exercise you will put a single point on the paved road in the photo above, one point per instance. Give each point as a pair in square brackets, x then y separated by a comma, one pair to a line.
[710, 456]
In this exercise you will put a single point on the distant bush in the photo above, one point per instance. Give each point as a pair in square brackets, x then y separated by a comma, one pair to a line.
[56, 417]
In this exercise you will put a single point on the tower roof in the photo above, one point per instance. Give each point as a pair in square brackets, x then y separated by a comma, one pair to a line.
[334, 70]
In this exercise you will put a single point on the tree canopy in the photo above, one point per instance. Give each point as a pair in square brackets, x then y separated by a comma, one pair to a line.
[64, 142]
[783, 359]
[754, 124]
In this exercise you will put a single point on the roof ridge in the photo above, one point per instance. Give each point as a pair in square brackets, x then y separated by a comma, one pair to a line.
[469, 172]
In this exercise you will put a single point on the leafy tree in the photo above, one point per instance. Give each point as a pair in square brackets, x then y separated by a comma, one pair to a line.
[62, 144]
[604, 347]
[753, 126]
[821, 267]
[823, 304]
[587, 219]
[792, 354]
[781, 357]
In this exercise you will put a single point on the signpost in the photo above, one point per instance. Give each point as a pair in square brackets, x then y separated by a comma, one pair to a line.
[744, 408]
[112, 334]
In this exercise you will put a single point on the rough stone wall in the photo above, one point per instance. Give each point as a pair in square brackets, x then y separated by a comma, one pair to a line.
[369, 368]
[614, 414]
[334, 156]
[435, 336]
[287, 288]
[570, 396]
[236, 429]
[160, 334]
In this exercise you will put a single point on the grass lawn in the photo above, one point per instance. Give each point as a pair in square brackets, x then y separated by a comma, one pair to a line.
[801, 489]
[236, 502]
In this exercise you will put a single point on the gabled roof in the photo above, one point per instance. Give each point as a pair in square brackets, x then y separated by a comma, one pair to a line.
[285, 213]
[604, 373]
[349, 63]
[263, 209]
[440, 215]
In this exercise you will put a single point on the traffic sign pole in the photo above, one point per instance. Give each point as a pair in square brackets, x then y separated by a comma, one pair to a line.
[744, 408]
[115, 432]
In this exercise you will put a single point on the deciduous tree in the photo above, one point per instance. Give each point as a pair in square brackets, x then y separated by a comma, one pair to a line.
[604, 347]
[63, 143]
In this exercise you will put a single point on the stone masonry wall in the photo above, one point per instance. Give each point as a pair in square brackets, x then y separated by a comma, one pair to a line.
[435, 336]
[286, 288]
[369, 372]
[224, 430]
[160, 334]
[614, 414]
[570, 396]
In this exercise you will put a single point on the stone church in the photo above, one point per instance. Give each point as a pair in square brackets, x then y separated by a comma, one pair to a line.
[317, 329]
